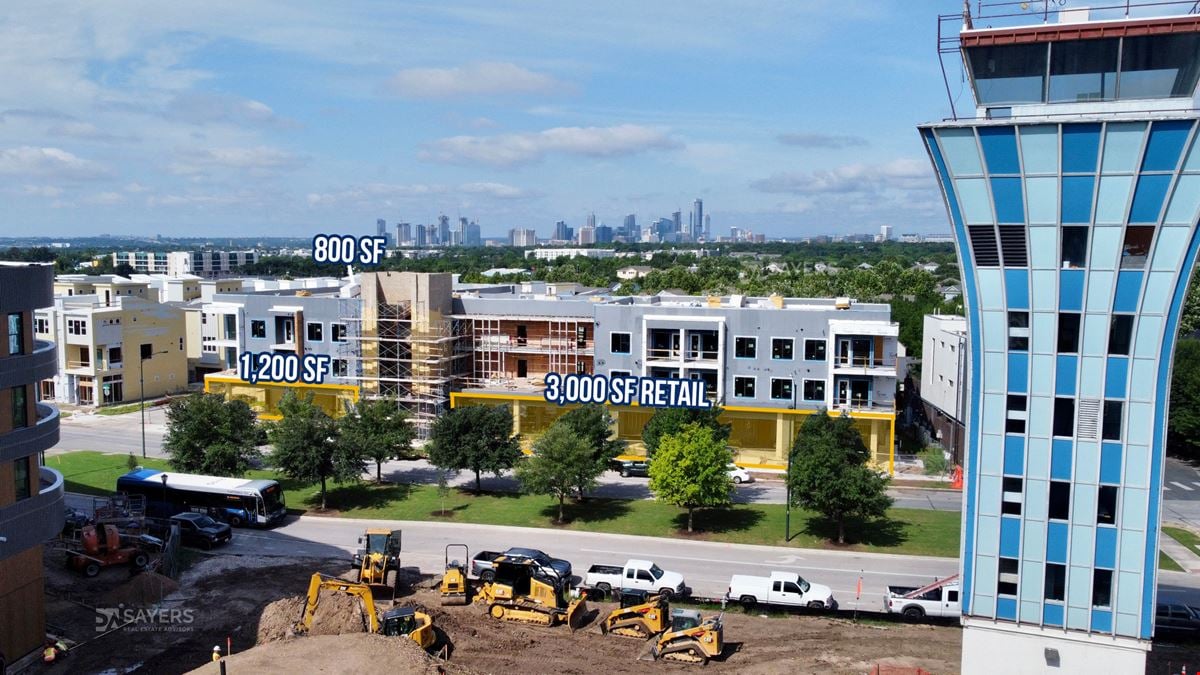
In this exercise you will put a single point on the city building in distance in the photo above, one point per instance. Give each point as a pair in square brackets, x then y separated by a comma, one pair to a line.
[1073, 192]
[205, 263]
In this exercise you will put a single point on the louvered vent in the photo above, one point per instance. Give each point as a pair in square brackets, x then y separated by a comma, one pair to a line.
[1089, 419]
[983, 244]
[1012, 245]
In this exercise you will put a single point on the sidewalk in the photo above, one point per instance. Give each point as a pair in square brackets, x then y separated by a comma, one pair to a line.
[1187, 558]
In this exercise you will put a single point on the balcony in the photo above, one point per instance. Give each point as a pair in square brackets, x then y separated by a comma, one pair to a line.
[32, 521]
[32, 439]
[40, 364]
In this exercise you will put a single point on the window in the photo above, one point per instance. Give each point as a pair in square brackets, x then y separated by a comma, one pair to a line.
[1068, 333]
[1136, 249]
[339, 368]
[20, 407]
[781, 349]
[1017, 414]
[814, 350]
[619, 343]
[1074, 247]
[1013, 496]
[337, 331]
[614, 374]
[745, 347]
[112, 389]
[258, 328]
[16, 334]
[1106, 505]
[315, 332]
[814, 390]
[1064, 417]
[1018, 331]
[522, 334]
[21, 478]
[230, 326]
[1008, 73]
[1111, 429]
[1154, 66]
[76, 327]
[1060, 500]
[743, 387]
[1102, 588]
[114, 355]
[1006, 582]
[581, 336]
[781, 390]
[1083, 70]
[1056, 582]
[1120, 333]
[41, 326]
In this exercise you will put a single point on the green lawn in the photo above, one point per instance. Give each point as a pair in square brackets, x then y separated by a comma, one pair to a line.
[1185, 537]
[1165, 562]
[906, 532]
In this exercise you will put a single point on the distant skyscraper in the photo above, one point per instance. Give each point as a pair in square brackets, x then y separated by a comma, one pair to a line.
[591, 220]
[604, 234]
[522, 237]
[735, 233]
[471, 234]
[443, 230]
[663, 227]
[403, 234]
[885, 232]
[677, 219]
[629, 229]
[563, 232]
[381, 230]
[421, 238]
[697, 218]
[708, 226]
[587, 235]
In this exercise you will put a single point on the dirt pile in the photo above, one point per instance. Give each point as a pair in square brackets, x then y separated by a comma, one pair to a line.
[361, 653]
[337, 614]
[147, 588]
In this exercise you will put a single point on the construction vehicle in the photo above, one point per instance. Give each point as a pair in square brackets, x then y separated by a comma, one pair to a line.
[523, 591]
[104, 546]
[378, 557]
[939, 598]
[397, 621]
[638, 616]
[454, 581]
[691, 638]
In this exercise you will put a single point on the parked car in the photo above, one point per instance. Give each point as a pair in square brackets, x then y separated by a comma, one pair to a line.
[640, 575]
[630, 467]
[481, 563]
[786, 589]
[740, 475]
[1177, 620]
[937, 599]
[197, 529]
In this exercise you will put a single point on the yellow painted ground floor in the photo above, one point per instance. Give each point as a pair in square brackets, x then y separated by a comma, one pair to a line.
[263, 397]
[760, 437]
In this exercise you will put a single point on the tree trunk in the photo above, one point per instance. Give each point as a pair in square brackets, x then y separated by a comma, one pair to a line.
[689, 520]
[378, 471]
[560, 509]
[478, 483]
[841, 521]
[322, 493]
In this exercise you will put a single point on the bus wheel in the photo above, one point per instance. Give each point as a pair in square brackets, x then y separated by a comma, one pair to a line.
[235, 521]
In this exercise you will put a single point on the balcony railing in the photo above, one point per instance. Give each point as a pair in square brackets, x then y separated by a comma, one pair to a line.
[31, 521]
[862, 362]
[866, 405]
[32, 439]
[79, 365]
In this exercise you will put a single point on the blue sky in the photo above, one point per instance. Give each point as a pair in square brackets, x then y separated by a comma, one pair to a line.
[234, 117]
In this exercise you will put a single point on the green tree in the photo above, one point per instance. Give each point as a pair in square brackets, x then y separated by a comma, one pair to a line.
[593, 423]
[689, 470]
[667, 421]
[307, 446]
[379, 430]
[1183, 422]
[474, 438]
[562, 464]
[829, 473]
[1189, 320]
[207, 434]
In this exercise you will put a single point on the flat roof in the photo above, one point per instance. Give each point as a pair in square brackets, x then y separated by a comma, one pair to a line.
[194, 481]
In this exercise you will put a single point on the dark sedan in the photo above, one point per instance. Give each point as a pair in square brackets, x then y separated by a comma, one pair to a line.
[197, 529]
[629, 467]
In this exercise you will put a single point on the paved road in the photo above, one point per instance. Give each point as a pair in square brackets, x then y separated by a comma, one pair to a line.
[113, 433]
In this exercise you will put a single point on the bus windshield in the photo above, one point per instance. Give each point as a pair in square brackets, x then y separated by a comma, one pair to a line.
[272, 498]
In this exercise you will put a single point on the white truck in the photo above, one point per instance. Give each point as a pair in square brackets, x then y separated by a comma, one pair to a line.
[641, 575]
[786, 589]
[939, 598]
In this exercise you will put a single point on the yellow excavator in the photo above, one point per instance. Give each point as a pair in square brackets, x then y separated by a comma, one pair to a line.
[378, 557]
[690, 638]
[522, 591]
[418, 626]
[454, 582]
[638, 616]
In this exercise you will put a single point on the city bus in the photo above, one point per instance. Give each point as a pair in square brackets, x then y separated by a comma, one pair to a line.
[237, 501]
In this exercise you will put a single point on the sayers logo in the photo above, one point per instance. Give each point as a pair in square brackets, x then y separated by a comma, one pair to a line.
[112, 618]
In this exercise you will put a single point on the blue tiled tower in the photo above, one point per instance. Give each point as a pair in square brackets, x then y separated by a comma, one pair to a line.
[1073, 195]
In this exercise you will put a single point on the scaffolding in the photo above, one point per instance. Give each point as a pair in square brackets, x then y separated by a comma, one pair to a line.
[564, 344]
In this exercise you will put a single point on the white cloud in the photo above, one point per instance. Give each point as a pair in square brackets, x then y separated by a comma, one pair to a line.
[476, 79]
[529, 147]
[136, 187]
[382, 193]
[900, 174]
[41, 190]
[88, 132]
[261, 159]
[822, 141]
[106, 198]
[496, 190]
[208, 108]
[49, 162]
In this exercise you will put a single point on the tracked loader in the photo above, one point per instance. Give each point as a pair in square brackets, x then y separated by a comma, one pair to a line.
[454, 582]
[690, 638]
[522, 591]
[638, 616]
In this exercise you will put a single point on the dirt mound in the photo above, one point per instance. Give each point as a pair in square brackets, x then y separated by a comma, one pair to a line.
[361, 653]
[147, 588]
[337, 614]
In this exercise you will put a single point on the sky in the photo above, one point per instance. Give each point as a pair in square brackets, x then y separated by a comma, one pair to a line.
[272, 118]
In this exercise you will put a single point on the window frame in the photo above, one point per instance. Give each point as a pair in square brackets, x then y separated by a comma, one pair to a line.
[791, 349]
[741, 379]
[753, 340]
[612, 337]
[804, 389]
[308, 331]
[791, 387]
[258, 334]
[824, 343]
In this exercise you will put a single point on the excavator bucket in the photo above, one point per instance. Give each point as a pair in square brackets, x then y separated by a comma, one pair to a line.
[577, 613]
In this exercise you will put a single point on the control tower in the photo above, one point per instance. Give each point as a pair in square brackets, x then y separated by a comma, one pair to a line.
[1073, 188]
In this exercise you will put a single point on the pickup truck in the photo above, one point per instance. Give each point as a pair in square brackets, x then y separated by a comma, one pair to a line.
[937, 599]
[195, 529]
[640, 575]
[786, 589]
[481, 564]
[629, 467]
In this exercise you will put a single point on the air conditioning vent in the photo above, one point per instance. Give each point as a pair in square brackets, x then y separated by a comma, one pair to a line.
[983, 245]
[1012, 245]
[1089, 419]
